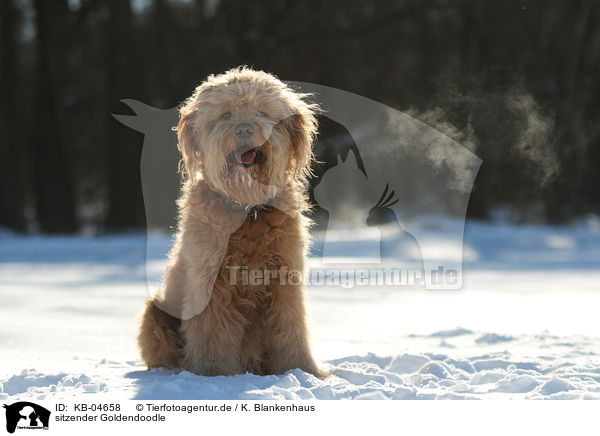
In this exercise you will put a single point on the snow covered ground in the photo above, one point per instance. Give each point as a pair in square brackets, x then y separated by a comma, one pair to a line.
[525, 325]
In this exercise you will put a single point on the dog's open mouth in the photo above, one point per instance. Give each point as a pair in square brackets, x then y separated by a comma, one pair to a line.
[245, 155]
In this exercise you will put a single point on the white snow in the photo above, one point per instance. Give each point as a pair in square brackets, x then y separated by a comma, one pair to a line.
[523, 326]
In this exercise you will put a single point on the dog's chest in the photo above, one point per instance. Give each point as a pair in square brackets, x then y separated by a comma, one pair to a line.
[260, 242]
[253, 262]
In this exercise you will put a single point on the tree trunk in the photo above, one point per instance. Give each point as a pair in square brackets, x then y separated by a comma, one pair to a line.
[12, 189]
[52, 178]
[125, 200]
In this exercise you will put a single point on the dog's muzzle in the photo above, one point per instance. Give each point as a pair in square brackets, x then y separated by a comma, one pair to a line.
[246, 155]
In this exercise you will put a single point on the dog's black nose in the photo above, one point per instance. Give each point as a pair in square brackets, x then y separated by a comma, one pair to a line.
[244, 130]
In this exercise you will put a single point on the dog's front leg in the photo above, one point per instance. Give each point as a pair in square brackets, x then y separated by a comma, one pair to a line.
[213, 343]
[287, 332]
[212, 329]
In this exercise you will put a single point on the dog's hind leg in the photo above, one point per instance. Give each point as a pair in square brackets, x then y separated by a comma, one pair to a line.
[159, 339]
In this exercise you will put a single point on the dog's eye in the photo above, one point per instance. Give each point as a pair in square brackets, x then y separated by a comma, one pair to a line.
[261, 114]
[226, 115]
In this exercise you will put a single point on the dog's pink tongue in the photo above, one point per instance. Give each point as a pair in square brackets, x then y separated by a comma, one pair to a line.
[245, 158]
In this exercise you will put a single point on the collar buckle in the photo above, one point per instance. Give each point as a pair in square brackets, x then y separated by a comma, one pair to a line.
[252, 211]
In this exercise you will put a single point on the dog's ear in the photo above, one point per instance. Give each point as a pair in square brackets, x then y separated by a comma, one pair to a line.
[302, 128]
[188, 142]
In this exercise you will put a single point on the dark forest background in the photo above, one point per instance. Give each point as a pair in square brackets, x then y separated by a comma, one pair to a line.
[515, 81]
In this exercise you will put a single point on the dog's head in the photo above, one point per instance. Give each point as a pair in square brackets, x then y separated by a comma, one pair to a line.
[247, 135]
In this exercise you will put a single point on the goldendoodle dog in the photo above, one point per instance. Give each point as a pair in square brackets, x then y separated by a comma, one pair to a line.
[245, 139]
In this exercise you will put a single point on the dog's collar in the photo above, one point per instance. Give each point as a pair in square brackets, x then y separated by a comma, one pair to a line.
[238, 206]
